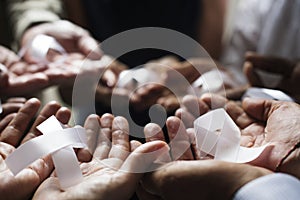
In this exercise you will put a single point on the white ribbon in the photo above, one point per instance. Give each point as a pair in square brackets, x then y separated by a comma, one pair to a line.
[218, 136]
[59, 143]
[263, 93]
[210, 81]
[130, 79]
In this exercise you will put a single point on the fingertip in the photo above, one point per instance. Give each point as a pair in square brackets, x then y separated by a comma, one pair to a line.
[151, 129]
[134, 144]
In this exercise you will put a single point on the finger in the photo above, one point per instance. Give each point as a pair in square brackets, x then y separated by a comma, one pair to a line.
[104, 137]
[251, 75]
[5, 150]
[16, 100]
[153, 132]
[194, 105]
[142, 158]
[6, 120]
[49, 109]
[186, 117]
[92, 127]
[258, 108]
[120, 139]
[11, 108]
[179, 139]
[109, 78]
[238, 115]
[89, 47]
[270, 64]
[27, 83]
[170, 103]
[13, 133]
[134, 145]
[195, 150]
[63, 115]
[214, 101]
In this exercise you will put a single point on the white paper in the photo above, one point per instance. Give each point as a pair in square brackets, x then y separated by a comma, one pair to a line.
[210, 81]
[218, 136]
[44, 145]
[130, 79]
[65, 159]
[59, 143]
[264, 93]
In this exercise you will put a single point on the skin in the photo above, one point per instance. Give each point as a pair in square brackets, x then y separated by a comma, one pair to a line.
[201, 179]
[72, 37]
[262, 122]
[185, 177]
[290, 71]
[110, 173]
[23, 185]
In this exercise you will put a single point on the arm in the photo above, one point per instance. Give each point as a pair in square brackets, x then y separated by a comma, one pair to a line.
[23, 14]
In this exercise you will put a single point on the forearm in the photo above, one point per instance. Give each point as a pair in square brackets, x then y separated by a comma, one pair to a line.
[25, 13]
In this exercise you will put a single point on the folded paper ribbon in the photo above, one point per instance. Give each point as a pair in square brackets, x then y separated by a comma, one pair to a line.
[130, 79]
[59, 143]
[218, 136]
[210, 81]
[263, 93]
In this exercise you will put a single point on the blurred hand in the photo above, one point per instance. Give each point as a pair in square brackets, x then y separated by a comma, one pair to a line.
[72, 37]
[288, 69]
[204, 179]
[111, 172]
[23, 185]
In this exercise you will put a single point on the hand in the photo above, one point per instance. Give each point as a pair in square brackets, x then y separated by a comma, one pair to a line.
[181, 142]
[205, 179]
[262, 122]
[17, 85]
[23, 185]
[11, 106]
[111, 174]
[72, 37]
[13, 80]
[276, 65]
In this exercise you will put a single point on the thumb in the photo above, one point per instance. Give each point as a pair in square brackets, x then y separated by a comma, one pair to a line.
[141, 159]
[89, 47]
[253, 78]
[259, 109]
[270, 64]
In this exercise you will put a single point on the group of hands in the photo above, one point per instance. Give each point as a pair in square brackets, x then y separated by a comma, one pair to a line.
[114, 167]
[111, 163]
[20, 76]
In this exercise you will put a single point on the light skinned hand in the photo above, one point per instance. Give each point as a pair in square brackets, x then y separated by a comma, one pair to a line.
[110, 174]
[72, 37]
[23, 185]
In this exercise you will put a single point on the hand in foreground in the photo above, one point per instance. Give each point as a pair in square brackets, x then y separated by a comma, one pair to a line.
[202, 179]
[288, 69]
[23, 185]
[116, 167]
[260, 122]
